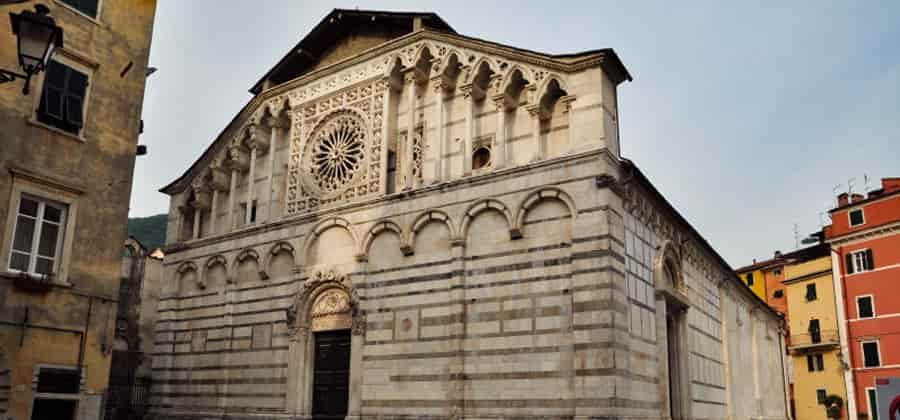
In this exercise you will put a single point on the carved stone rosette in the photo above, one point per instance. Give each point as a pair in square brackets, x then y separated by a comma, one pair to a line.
[335, 148]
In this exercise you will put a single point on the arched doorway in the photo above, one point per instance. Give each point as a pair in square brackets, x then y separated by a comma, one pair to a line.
[324, 322]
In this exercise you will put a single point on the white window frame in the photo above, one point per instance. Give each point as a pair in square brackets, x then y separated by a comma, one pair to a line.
[872, 303]
[78, 62]
[94, 19]
[856, 264]
[869, 402]
[862, 350]
[850, 219]
[39, 221]
[36, 372]
[36, 186]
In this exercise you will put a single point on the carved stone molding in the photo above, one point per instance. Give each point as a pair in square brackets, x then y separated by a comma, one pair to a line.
[324, 302]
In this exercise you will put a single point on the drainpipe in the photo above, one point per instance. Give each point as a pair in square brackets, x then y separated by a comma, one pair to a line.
[837, 267]
[83, 343]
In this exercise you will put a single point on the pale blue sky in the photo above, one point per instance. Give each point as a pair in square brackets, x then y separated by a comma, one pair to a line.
[744, 117]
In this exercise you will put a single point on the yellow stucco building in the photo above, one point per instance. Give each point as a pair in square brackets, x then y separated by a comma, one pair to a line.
[754, 277]
[67, 153]
[814, 344]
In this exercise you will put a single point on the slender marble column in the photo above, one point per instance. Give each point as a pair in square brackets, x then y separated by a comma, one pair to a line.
[499, 156]
[386, 124]
[535, 112]
[250, 184]
[232, 191]
[442, 141]
[470, 130]
[214, 208]
[275, 126]
[196, 233]
[409, 164]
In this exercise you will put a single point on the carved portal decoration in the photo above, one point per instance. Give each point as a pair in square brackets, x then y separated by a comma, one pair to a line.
[335, 153]
[326, 301]
[335, 148]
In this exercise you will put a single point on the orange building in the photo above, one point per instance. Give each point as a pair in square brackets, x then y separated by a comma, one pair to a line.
[865, 248]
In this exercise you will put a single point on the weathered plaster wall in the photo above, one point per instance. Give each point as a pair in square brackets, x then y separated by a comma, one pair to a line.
[94, 170]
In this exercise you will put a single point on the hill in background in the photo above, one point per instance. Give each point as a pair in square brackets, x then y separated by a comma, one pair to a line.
[149, 231]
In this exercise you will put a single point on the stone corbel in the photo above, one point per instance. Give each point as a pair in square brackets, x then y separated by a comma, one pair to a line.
[256, 139]
[535, 111]
[472, 91]
[219, 179]
[567, 103]
[238, 158]
[202, 195]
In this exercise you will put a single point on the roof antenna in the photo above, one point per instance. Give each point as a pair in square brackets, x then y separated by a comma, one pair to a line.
[850, 189]
[834, 194]
[866, 183]
[796, 236]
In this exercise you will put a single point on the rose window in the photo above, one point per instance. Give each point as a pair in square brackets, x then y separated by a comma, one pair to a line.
[336, 151]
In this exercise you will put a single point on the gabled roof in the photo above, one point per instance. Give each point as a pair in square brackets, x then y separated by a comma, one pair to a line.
[335, 25]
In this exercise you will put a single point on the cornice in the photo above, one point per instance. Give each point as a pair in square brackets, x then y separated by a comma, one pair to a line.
[873, 232]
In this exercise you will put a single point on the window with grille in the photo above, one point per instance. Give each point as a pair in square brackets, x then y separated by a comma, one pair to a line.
[821, 394]
[38, 236]
[62, 99]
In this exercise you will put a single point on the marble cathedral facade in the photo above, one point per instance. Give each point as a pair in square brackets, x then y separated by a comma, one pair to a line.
[405, 222]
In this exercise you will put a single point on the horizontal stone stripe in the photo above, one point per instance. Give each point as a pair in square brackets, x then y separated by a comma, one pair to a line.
[708, 385]
[265, 285]
[219, 395]
[515, 403]
[192, 353]
[217, 305]
[213, 340]
[707, 358]
[502, 376]
[546, 220]
[222, 381]
[704, 333]
[216, 327]
[710, 402]
[495, 352]
[410, 267]
[199, 295]
[232, 314]
[221, 367]
[530, 250]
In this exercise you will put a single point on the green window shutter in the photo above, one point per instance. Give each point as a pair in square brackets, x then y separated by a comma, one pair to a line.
[849, 263]
[870, 260]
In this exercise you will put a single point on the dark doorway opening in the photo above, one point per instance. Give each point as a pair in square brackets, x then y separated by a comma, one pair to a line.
[675, 318]
[48, 409]
[331, 375]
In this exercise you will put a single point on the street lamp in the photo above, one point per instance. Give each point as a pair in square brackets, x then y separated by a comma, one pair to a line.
[38, 38]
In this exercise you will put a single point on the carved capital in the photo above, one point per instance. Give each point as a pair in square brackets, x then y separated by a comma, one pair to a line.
[358, 325]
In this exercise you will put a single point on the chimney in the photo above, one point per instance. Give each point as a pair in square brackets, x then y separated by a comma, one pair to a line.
[856, 197]
[890, 185]
[843, 199]
[417, 23]
[777, 254]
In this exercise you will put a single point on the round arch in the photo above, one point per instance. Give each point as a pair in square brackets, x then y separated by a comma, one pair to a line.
[242, 256]
[486, 205]
[546, 193]
[322, 227]
[274, 250]
[211, 262]
[428, 217]
[376, 229]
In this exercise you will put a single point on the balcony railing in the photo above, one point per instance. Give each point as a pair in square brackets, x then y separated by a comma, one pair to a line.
[814, 339]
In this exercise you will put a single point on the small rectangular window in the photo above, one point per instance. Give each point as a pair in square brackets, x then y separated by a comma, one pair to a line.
[811, 293]
[253, 212]
[391, 172]
[88, 7]
[865, 307]
[37, 238]
[871, 354]
[750, 279]
[815, 362]
[815, 334]
[62, 99]
[821, 394]
[856, 217]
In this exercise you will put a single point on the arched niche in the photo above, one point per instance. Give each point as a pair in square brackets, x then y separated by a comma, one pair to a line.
[384, 249]
[187, 278]
[673, 335]
[280, 261]
[331, 242]
[246, 268]
[547, 210]
[216, 273]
